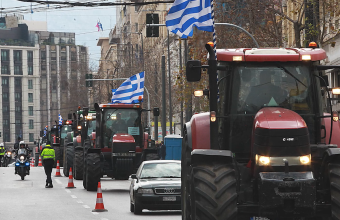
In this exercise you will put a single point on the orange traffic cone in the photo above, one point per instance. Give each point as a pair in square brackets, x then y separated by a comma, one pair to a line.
[70, 179]
[32, 163]
[57, 174]
[99, 202]
[39, 164]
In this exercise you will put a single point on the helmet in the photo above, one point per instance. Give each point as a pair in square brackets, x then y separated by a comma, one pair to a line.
[1, 144]
[21, 143]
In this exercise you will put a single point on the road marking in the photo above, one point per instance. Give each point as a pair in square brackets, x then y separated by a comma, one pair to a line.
[73, 196]
[104, 219]
[58, 181]
[79, 201]
[68, 191]
[95, 213]
[86, 206]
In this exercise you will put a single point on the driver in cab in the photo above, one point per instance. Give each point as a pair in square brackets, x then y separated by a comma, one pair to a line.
[265, 94]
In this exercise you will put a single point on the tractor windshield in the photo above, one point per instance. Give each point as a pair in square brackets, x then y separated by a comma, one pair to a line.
[121, 121]
[64, 130]
[248, 87]
[92, 126]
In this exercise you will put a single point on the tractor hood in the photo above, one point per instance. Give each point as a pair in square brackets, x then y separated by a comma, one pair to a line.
[280, 132]
[123, 143]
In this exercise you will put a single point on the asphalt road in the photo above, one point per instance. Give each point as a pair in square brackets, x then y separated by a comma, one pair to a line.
[28, 199]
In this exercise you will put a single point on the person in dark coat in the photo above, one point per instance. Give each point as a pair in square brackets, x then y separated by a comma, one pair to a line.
[162, 151]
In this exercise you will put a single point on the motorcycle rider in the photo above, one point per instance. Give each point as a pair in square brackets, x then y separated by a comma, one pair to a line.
[48, 157]
[2, 153]
[22, 146]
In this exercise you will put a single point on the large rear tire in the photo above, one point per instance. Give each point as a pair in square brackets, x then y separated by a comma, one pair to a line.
[78, 165]
[185, 177]
[93, 173]
[334, 180]
[58, 155]
[213, 191]
[68, 162]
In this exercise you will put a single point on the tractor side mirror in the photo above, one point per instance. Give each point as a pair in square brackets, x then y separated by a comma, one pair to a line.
[193, 71]
[155, 111]
[85, 111]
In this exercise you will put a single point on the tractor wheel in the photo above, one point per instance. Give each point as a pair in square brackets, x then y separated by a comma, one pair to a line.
[78, 165]
[68, 162]
[57, 152]
[334, 180]
[93, 172]
[185, 177]
[84, 175]
[123, 168]
[213, 191]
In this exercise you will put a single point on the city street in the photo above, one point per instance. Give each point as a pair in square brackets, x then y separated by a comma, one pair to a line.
[28, 199]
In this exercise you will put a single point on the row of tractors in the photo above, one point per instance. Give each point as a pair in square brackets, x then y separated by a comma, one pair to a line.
[109, 140]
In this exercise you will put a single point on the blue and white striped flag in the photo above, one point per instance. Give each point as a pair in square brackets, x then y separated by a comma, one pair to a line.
[184, 14]
[130, 90]
[60, 120]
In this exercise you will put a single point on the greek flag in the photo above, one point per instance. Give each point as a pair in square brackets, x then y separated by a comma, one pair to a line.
[184, 14]
[130, 90]
[60, 120]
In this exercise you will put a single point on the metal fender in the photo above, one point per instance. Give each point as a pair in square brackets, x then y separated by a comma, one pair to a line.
[200, 155]
[332, 152]
[198, 131]
[335, 131]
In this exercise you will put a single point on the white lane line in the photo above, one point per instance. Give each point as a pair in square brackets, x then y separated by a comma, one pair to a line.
[79, 201]
[104, 219]
[68, 191]
[73, 196]
[86, 206]
[58, 181]
[95, 213]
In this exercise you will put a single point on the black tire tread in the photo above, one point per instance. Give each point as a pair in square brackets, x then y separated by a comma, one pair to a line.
[78, 165]
[57, 152]
[334, 179]
[218, 202]
[68, 162]
[93, 173]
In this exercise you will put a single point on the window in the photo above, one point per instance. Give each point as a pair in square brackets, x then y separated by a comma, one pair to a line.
[17, 55]
[30, 97]
[4, 55]
[29, 56]
[43, 55]
[53, 66]
[30, 110]
[43, 67]
[4, 109]
[17, 70]
[30, 84]
[31, 137]
[17, 82]
[17, 96]
[53, 56]
[17, 109]
[17, 122]
[31, 126]
[5, 122]
[4, 69]
[5, 96]
[4, 81]
[30, 70]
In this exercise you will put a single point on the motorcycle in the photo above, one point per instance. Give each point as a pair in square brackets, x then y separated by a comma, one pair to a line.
[7, 158]
[22, 164]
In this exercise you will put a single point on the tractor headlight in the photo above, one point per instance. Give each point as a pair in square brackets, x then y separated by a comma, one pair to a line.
[145, 191]
[22, 158]
[262, 160]
[305, 160]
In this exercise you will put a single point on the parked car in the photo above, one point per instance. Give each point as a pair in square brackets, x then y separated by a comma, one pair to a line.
[156, 186]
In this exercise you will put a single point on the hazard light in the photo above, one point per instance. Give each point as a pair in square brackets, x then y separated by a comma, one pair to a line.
[312, 45]
[213, 116]
[79, 127]
[262, 160]
[306, 57]
[336, 91]
[237, 58]
[335, 116]
[305, 160]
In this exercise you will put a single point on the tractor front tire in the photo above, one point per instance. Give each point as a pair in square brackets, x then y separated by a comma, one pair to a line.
[78, 165]
[93, 172]
[213, 191]
[68, 162]
[334, 180]
[58, 154]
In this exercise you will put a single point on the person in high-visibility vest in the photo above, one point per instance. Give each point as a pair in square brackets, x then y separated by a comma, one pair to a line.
[2, 153]
[48, 157]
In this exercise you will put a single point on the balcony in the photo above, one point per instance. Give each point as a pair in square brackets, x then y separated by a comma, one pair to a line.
[114, 38]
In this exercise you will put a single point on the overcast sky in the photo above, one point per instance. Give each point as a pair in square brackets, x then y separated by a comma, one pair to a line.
[80, 20]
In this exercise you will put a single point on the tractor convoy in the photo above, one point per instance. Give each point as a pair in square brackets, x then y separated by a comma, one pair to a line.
[270, 150]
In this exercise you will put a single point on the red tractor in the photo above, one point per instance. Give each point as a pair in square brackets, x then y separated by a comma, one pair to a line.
[270, 151]
[116, 147]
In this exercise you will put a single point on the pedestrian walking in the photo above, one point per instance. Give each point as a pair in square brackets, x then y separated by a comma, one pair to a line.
[48, 157]
[162, 151]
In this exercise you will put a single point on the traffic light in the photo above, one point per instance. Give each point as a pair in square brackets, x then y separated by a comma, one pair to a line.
[154, 30]
[88, 83]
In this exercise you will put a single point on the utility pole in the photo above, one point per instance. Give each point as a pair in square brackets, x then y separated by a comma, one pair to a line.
[180, 70]
[163, 99]
[188, 110]
[170, 105]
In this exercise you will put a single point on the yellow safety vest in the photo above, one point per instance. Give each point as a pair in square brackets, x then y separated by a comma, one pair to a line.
[48, 153]
[2, 150]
